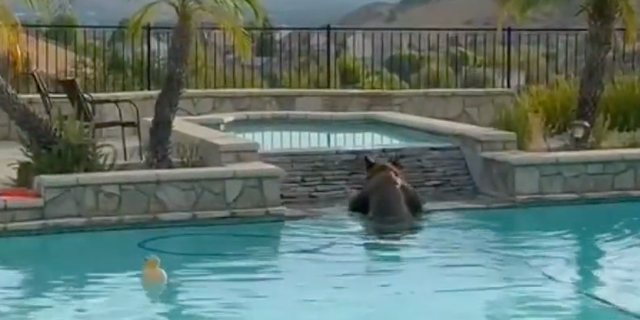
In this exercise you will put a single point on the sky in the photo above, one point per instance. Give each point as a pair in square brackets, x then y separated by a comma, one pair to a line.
[309, 13]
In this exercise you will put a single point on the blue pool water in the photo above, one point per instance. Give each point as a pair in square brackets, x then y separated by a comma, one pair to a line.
[537, 263]
[277, 135]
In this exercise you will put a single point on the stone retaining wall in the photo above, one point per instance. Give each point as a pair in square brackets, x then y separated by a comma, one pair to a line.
[219, 148]
[437, 172]
[19, 211]
[248, 189]
[474, 106]
[524, 175]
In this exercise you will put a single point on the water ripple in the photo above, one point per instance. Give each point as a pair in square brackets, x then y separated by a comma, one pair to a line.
[525, 263]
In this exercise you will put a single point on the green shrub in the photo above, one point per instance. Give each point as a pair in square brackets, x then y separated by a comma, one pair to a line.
[383, 81]
[64, 29]
[351, 71]
[460, 58]
[515, 120]
[433, 76]
[478, 78]
[621, 104]
[404, 65]
[307, 77]
[76, 152]
[526, 60]
[535, 67]
[554, 104]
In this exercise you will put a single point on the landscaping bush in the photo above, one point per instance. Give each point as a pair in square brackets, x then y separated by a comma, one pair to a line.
[350, 70]
[479, 78]
[404, 65]
[461, 58]
[433, 76]
[383, 81]
[63, 29]
[76, 152]
[554, 104]
[306, 77]
[515, 120]
[621, 104]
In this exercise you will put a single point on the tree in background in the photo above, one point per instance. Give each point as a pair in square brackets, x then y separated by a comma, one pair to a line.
[36, 130]
[228, 14]
[602, 16]
[63, 29]
[404, 65]
[351, 71]
[265, 43]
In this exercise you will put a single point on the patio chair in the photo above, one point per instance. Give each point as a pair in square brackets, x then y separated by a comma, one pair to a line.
[85, 106]
[43, 92]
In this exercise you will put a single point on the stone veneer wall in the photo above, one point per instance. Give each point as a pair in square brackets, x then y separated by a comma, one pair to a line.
[145, 196]
[219, 148]
[473, 106]
[437, 172]
[525, 175]
[19, 211]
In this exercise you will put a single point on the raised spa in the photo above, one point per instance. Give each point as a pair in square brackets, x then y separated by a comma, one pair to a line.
[284, 134]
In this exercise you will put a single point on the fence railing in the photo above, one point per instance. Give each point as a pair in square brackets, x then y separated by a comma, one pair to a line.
[110, 59]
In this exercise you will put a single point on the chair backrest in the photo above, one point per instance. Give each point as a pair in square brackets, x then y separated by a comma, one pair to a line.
[74, 93]
[43, 92]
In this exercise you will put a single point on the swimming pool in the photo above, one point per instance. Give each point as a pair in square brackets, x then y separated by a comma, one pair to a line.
[535, 263]
[279, 134]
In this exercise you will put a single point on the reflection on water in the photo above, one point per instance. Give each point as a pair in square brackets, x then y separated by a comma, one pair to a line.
[462, 265]
[351, 135]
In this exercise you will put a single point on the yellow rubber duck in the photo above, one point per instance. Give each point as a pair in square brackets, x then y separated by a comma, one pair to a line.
[152, 274]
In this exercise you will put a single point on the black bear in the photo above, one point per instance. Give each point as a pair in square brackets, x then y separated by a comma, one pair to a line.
[388, 202]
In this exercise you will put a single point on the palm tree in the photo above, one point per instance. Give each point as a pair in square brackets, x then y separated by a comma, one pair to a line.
[38, 131]
[228, 14]
[602, 16]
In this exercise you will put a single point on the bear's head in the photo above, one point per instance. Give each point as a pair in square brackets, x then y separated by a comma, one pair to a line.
[374, 168]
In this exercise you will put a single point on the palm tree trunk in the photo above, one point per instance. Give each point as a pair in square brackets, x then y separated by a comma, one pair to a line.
[169, 97]
[38, 131]
[602, 18]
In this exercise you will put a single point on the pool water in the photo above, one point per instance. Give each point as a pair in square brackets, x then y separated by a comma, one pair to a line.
[323, 134]
[536, 263]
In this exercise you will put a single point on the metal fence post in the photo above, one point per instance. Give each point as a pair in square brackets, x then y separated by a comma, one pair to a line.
[509, 57]
[329, 74]
[148, 44]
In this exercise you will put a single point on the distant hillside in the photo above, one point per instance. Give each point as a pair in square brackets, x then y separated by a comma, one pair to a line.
[453, 13]
[289, 12]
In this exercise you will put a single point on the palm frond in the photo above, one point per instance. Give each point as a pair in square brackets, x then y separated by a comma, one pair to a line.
[10, 35]
[145, 15]
[627, 14]
[521, 10]
[229, 15]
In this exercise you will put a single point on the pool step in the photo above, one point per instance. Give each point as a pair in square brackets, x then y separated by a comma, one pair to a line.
[438, 172]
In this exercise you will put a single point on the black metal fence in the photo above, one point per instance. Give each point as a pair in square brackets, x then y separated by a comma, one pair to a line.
[110, 59]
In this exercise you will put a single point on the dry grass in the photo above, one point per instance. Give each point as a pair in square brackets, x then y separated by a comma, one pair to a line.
[615, 140]
[50, 59]
[539, 141]
[537, 136]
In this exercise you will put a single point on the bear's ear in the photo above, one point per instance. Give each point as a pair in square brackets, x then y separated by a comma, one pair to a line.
[395, 161]
[369, 162]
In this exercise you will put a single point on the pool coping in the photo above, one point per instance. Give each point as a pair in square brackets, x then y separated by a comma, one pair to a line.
[439, 141]
[181, 219]
[429, 125]
[488, 202]
[219, 148]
